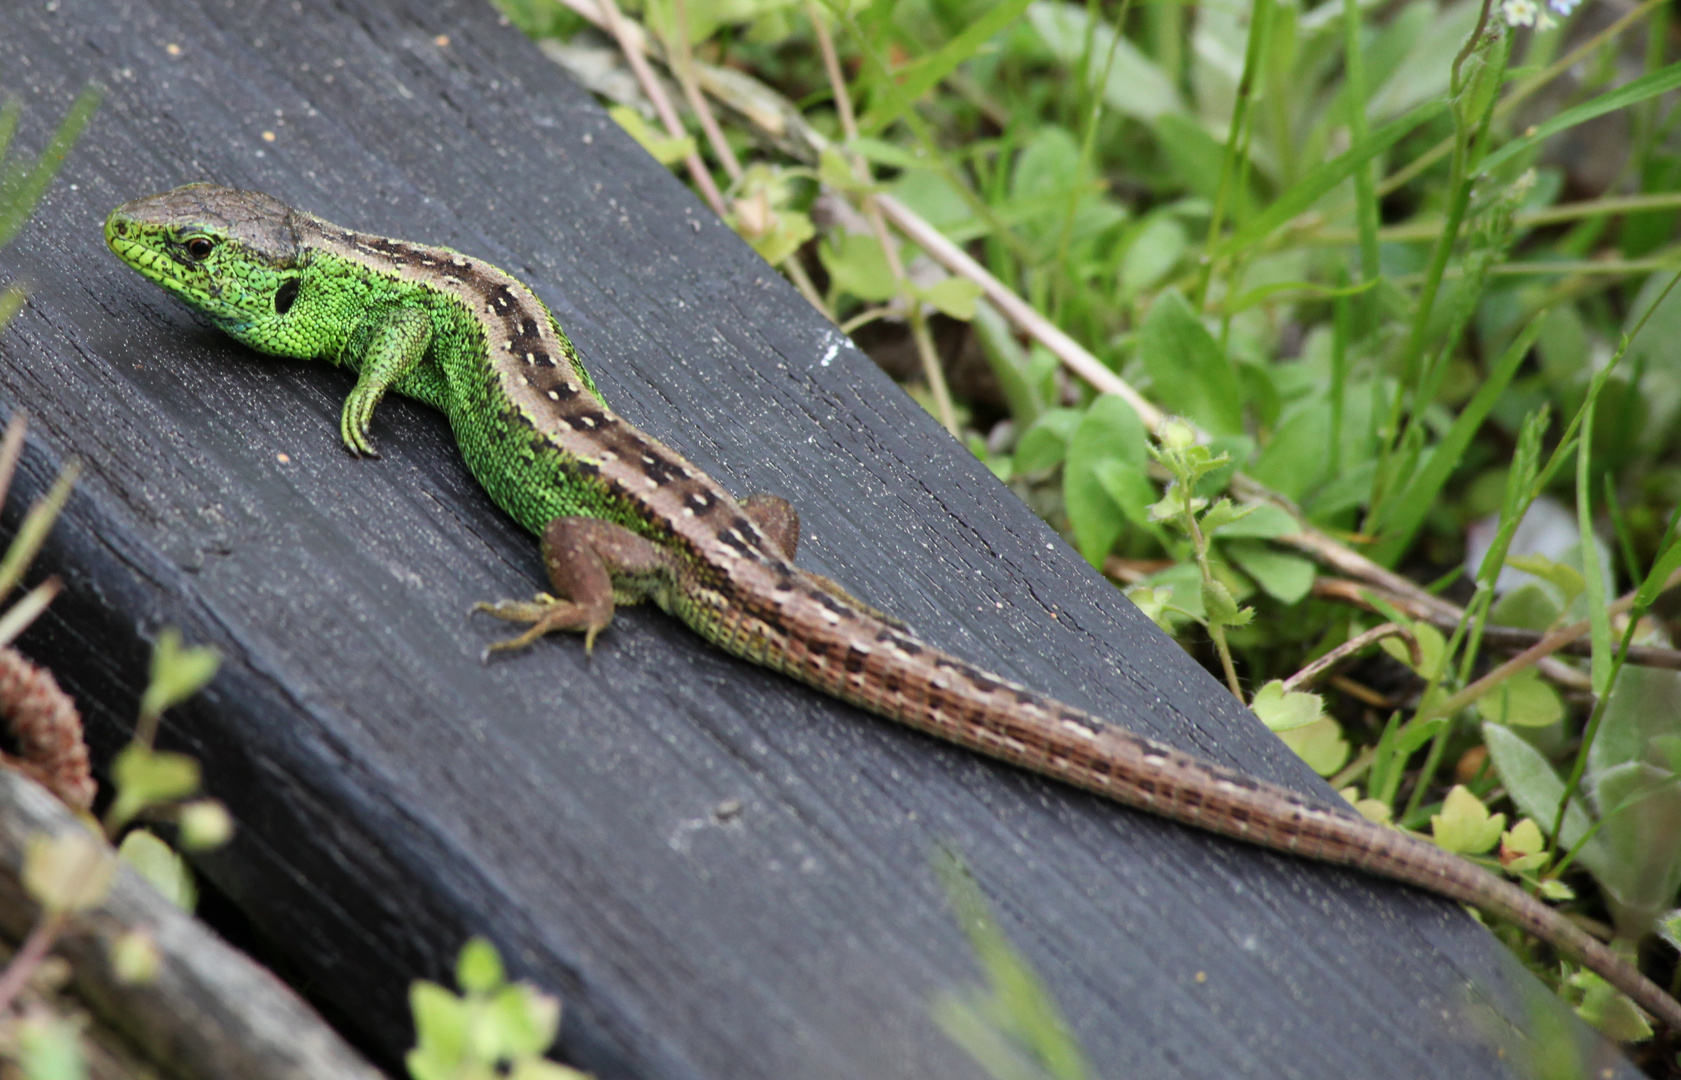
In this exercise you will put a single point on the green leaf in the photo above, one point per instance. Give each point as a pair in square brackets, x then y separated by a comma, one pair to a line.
[1217, 602]
[1424, 488]
[441, 1022]
[834, 170]
[955, 296]
[1224, 514]
[135, 958]
[1189, 372]
[1465, 825]
[1196, 157]
[929, 70]
[1524, 700]
[146, 777]
[1128, 483]
[1640, 805]
[857, 265]
[525, 1020]
[1536, 789]
[1605, 1007]
[1527, 607]
[1599, 617]
[1045, 442]
[1155, 250]
[177, 672]
[1432, 648]
[1137, 87]
[1648, 86]
[1562, 576]
[1662, 569]
[1284, 576]
[1264, 521]
[1668, 927]
[1524, 838]
[1320, 744]
[162, 868]
[1109, 431]
[478, 970]
[50, 1047]
[68, 872]
[662, 148]
[1321, 179]
[1284, 710]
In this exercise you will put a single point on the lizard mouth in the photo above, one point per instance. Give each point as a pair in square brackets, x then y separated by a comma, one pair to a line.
[135, 247]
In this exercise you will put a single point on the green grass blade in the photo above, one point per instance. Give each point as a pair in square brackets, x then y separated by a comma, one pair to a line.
[26, 187]
[1312, 187]
[1599, 619]
[1647, 86]
[1420, 493]
[931, 69]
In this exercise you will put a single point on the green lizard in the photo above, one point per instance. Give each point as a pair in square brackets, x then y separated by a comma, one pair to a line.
[624, 519]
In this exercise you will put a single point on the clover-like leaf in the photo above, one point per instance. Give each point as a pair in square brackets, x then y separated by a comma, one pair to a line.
[1465, 825]
[1285, 710]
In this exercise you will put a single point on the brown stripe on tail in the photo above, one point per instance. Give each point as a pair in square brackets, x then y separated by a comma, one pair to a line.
[848, 653]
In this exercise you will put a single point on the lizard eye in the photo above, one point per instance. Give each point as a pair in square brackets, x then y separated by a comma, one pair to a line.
[200, 247]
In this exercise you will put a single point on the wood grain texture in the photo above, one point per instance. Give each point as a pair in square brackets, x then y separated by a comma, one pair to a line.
[394, 794]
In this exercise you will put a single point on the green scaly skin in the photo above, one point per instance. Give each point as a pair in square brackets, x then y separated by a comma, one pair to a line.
[625, 519]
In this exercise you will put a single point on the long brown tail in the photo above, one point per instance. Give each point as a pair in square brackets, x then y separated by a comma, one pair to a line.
[849, 652]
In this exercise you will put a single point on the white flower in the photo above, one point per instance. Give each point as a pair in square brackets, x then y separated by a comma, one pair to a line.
[1563, 7]
[1545, 22]
[1520, 12]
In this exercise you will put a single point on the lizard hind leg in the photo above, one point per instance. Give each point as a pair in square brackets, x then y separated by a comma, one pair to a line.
[590, 562]
[780, 522]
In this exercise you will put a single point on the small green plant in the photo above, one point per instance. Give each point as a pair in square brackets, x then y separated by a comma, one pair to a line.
[493, 1028]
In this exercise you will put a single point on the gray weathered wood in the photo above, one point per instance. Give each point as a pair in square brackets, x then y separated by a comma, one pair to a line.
[394, 794]
[210, 1013]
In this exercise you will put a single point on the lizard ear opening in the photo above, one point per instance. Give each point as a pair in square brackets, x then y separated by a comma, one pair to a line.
[285, 295]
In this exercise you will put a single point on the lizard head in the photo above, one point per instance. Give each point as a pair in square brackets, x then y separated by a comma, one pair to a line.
[234, 255]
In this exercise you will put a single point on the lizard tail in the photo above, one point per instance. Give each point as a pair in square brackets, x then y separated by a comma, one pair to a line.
[848, 652]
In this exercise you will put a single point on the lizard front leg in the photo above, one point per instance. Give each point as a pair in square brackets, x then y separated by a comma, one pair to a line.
[592, 564]
[395, 345]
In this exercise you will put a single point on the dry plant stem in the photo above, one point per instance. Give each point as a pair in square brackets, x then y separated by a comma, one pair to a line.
[1073, 355]
[802, 281]
[931, 369]
[662, 105]
[1308, 675]
[1505, 638]
[872, 213]
[1545, 647]
[35, 949]
[683, 63]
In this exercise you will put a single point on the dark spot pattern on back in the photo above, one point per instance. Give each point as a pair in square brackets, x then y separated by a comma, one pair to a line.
[659, 468]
